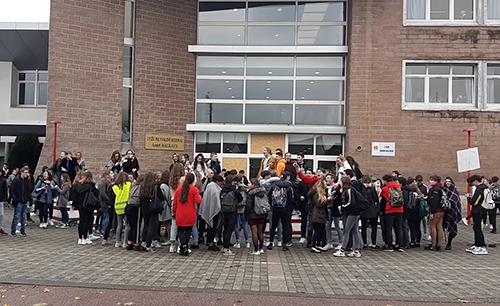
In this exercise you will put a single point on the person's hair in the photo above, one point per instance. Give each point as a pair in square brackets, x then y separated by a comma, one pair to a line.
[129, 150]
[231, 179]
[185, 187]
[320, 169]
[414, 188]
[5, 164]
[474, 178]
[186, 156]
[255, 182]
[495, 179]
[321, 190]
[196, 162]
[419, 178]
[233, 172]
[402, 181]
[49, 174]
[165, 176]
[174, 154]
[78, 177]
[217, 178]
[279, 150]
[66, 179]
[85, 177]
[199, 182]
[139, 179]
[105, 176]
[212, 154]
[350, 173]
[147, 186]
[436, 178]
[388, 178]
[223, 170]
[44, 168]
[24, 169]
[285, 174]
[175, 175]
[273, 173]
[346, 185]
[396, 172]
[279, 153]
[79, 152]
[366, 179]
[113, 156]
[300, 154]
[268, 149]
[265, 173]
[351, 161]
[121, 179]
[241, 171]
[410, 180]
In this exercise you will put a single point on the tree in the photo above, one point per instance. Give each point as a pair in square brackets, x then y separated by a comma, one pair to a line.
[25, 150]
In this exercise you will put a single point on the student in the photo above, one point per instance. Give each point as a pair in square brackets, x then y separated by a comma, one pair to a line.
[303, 166]
[184, 211]
[84, 185]
[355, 167]
[256, 221]
[241, 223]
[166, 214]
[176, 179]
[115, 163]
[107, 198]
[475, 200]
[341, 166]
[185, 161]
[281, 199]
[242, 178]
[267, 163]
[392, 204]
[121, 189]
[229, 193]
[3, 199]
[199, 165]
[63, 199]
[319, 199]
[21, 194]
[452, 215]
[214, 163]
[281, 163]
[436, 213]
[210, 209]
[369, 216]
[130, 164]
[495, 195]
[45, 190]
[149, 190]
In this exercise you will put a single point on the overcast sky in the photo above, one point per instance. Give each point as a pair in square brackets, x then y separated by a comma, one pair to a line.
[24, 10]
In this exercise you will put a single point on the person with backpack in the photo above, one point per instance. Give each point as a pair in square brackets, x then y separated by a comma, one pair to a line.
[319, 215]
[282, 201]
[369, 216]
[241, 223]
[475, 200]
[230, 196]
[453, 215]
[435, 199]
[121, 190]
[350, 216]
[392, 205]
[256, 209]
[151, 204]
[495, 196]
[107, 198]
[63, 199]
[81, 195]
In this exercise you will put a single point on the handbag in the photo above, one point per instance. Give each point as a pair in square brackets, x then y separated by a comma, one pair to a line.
[155, 204]
[37, 194]
[90, 201]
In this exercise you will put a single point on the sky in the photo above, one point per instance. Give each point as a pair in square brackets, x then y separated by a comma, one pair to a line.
[24, 10]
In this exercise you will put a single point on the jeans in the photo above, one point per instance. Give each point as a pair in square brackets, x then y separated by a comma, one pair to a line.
[351, 227]
[241, 223]
[85, 222]
[280, 227]
[477, 216]
[283, 215]
[338, 229]
[406, 232]
[106, 224]
[98, 221]
[184, 233]
[1, 213]
[64, 215]
[364, 227]
[394, 221]
[303, 221]
[424, 223]
[415, 231]
[229, 223]
[328, 227]
[173, 231]
[119, 228]
[19, 215]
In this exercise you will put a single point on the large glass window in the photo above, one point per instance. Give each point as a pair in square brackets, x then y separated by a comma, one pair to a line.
[220, 89]
[269, 90]
[32, 88]
[493, 7]
[235, 143]
[269, 66]
[435, 84]
[301, 144]
[268, 114]
[219, 113]
[319, 114]
[331, 90]
[279, 23]
[315, 144]
[320, 66]
[129, 18]
[220, 65]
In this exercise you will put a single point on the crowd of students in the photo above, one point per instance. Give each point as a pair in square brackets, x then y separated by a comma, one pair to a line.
[201, 202]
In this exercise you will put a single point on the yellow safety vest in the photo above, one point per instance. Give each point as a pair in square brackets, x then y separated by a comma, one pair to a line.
[121, 199]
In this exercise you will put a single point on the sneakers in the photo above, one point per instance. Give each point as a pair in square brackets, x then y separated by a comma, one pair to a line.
[267, 243]
[254, 253]
[327, 247]
[237, 245]
[92, 237]
[261, 251]
[155, 244]
[465, 221]
[166, 243]
[491, 227]
[51, 223]
[228, 252]
[356, 254]
[316, 250]
[339, 253]
[41, 225]
[493, 231]
[173, 248]
[247, 245]
[118, 244]
[270, 246]
[289, 244]
[80, 242]
[104, 242]
[480, 251]
[2, 232]
[470, 249]
[64, 226]
[338, 247]
[302, 240]
[87, 241]
[214, 248]
[280, 244]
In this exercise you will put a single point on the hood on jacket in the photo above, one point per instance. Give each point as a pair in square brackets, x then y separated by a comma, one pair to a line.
[284, 184]
[271, 180]
[228, 188]
[393, 185]
[282, 161]
[259, 191]
[83, 188]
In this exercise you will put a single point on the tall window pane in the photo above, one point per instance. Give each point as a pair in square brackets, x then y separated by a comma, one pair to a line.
[235, 143]
[415, 90]
[126, 114]
[271, 36]
[320, 11]
[220, 89]
[208, 142]
[42, 94]
[415, 9]
[493, 91]
[271, 11]
[221, 35]
[440, 9]
[27, 94]
[329, 145]
[462, 90]
[127, 61]
[320, 90]
[222, 11]
[493, 9]
[268, 114]
[301, 143]
[320, 35]
[219, 113]
[438, 90]
[220, 65]
[129, 19]
[464, 9]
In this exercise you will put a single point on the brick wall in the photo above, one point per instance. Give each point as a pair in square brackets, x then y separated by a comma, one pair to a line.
[426, 142]
[165, 75]
[85, 78]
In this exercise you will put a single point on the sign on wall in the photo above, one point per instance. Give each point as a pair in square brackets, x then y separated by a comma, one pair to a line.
[468, 160]
[383, 149]
[164, 142]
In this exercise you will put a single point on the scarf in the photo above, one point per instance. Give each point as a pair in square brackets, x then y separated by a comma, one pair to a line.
[210, 204]
[454, 214]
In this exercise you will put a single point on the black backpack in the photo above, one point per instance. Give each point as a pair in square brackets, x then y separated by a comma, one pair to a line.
[361, 199]
[90, 201]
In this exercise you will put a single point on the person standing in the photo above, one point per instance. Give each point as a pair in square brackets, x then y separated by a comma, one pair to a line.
[268, 162]
[453, 215]
[80, 162]
[71, 166]
[282, 200]
[150, 189]
[63, 199]
[121, 189]
[3, 199]
[115, 163]
[475, 200]
[5, 170]
[319, 216]
[281, 163]
[184, 211]
[495, 196]
[256, 221]
[214, 163]
[210, 209]
[58, 166]
[303, 166]
[21, 194]
[45, 189]
[436, 213]
[393, 205]
[199, 165]
[130, 164]
[230, 196]
[84, 185]
[107, 198]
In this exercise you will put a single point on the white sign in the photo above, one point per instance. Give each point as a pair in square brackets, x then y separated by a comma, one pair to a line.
[468, 160]
[383, 149]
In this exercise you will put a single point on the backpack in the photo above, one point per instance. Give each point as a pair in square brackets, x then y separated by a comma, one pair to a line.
[228, 202]
[488, 202]
[412, 200]
[362, 201]
[495, 193]
[279, 197]
[395, 197]
[445, 202]
[261, 205]
[134, 198]
[155, 204]
[423, 209]
[90, 201]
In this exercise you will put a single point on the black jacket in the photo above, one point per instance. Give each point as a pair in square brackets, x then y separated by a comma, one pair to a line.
[372, 197]
[129, 164]
[21, 189]
[230, 187]
[337, 202]
[146, 201]
[290, 198]
[477, 198]
[249, 208]
[434, 198]
[79, 191]
[301, 191]
[350, 207]
[3, 189]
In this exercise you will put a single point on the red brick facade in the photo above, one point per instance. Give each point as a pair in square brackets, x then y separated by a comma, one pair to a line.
[426, 142]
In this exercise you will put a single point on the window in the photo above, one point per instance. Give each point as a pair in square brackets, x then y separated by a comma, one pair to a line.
[235, 143]
[230, 143]
[441, 11]
[267, 23]
[32, 88]
[129, 18]
[315, 144]
[301, 143]
[440, 85]
[302, 90]
[493, 8]
[208, 142]
[128, 71]
[493, 84]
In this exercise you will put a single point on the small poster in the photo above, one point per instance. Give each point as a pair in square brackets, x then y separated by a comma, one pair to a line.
[468, 160]
[383, 149]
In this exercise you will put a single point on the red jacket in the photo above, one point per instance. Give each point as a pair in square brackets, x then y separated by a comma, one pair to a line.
[185, 213]
[385, 194]
[310, 181]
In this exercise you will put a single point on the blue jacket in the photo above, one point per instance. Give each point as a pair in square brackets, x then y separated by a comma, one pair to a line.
[48, 194]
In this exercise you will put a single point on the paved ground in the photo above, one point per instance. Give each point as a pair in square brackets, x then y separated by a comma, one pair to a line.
[51, 257]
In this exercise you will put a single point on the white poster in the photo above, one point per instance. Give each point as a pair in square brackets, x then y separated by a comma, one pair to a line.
[383, 149]
[468, 160]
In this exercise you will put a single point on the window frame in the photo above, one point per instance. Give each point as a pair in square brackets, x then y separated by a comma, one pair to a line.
[479, 7]
[36, 82]
[490, 106]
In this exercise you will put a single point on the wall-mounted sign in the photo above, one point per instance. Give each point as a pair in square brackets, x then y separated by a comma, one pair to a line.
[164, 142]
[383, 149]
[468, 160]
